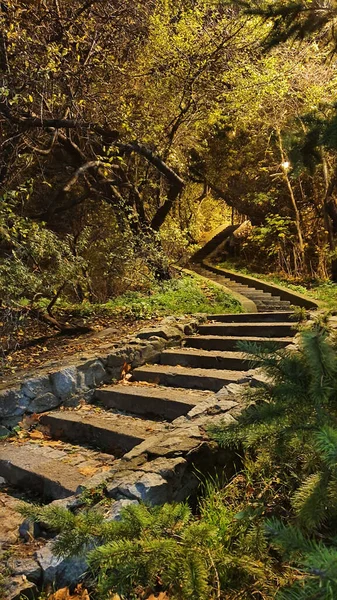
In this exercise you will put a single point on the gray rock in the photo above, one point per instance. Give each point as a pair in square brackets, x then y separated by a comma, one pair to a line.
[26, 566]
[43, 403]
[211, 407]
[168, 332]
[12, 403]
[29, 530]
[116, 359]
[158, 343]
[36, 387]
[4, 432]
[19, 587]
[144, 353]
[115, 509]
[223, 393]
[165, 467]
[91, 374]
[64, 382]
[235, 389]
[145, 487]
[2, 481]
[69, 503]
[260, 379]
[61, 572]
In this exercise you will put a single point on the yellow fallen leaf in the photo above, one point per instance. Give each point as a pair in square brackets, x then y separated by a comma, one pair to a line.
[63, 594]
[88, 471]
[36, 435]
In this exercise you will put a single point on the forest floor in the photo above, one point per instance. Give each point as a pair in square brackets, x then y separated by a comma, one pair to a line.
[27, 343]
[39, 343]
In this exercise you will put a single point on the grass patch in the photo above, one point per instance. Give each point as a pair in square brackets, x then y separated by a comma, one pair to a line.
[178, 296]
[324, 292]
[186, 295]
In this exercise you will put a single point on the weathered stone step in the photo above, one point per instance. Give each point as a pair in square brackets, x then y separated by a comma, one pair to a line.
[266, 317]
[160, 401]
[216, 342]
[206, 359]
[112, 433]
[253, 292]
[176, 376]
[248, 329]
[50, 472]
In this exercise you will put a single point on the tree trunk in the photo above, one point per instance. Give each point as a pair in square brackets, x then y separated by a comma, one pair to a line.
[292, 198]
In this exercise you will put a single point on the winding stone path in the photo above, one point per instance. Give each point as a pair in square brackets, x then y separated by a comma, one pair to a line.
[145, 436]
[142, 417]
[264, 301]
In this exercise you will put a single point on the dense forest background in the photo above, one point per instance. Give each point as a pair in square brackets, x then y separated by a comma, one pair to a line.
[131, 130]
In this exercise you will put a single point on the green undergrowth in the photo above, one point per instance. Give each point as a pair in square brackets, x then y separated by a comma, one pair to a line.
[180, 295]
[323, 292]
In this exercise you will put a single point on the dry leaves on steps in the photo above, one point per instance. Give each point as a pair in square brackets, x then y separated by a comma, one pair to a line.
[79, 594]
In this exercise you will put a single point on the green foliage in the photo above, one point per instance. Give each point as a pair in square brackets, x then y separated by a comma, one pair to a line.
[289, 438]
[37, 262]
[296, 20]
[317, 562]
[185, 295]
[165, 548]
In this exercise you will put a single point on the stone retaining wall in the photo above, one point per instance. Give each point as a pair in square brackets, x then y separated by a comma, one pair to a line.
[78, 378]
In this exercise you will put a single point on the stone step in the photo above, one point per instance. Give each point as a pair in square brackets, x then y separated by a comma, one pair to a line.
[205, 359]
[113, 433]
[265, 301]
[254, 292]
[216, 342]
[159, 401]
[176, 376]
[49, 471]
[248, 329]
[262, 317]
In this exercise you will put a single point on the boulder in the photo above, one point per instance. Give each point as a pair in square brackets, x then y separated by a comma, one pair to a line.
[19, 587]
[165, 467]
[114, 511]
[64, 382]
[28, 567]
[148, 487]
[43, 403]
[58, 571]
[12, 403]
[36, 386]
[91, 374]
[4, 432]
[168, 332]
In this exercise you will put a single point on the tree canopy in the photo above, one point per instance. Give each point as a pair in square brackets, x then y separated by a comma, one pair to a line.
[129, 131]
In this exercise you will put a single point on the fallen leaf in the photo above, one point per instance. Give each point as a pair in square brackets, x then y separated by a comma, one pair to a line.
[63, 594]
[36, 435]
[88, 471]
[162, 596]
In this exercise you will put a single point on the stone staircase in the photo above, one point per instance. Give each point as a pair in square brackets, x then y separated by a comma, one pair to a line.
[133, 424]
[264, 301]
